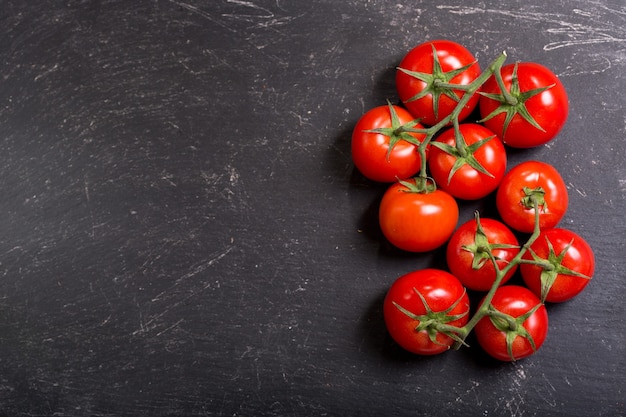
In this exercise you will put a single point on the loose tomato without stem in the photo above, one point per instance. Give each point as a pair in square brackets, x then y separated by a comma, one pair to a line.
[417, 221]
[422, 307]
[527, 181]
[424, 75]
[517, 325]
[381, 151]
[467, 253]
[564, 265]
[533, 109]
[469, 170]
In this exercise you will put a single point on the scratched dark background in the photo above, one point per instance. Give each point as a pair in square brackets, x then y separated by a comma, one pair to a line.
[182, 232]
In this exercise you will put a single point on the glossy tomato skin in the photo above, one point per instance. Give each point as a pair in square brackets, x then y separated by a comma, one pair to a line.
[510, 194]
[417, 222]
[451, 56]
[578, 258]
[370, 151]
[460, 260]
[515, 301]
[467, 183]
[550, 108]
[441, 290]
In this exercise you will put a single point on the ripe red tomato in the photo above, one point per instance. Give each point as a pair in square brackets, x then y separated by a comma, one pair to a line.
[418, 304]
[381, 152]
[570, 264]
[467, 250]
[417, 221]
[513, 196]
[421, 71]
[538, 111]
[518, 327]
[470, 173]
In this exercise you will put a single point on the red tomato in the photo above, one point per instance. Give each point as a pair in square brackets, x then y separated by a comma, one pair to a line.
[519, 336]
[513, 200]
[470, 173]
[421, 71]
[538, 111]
[569, 265]
[467, 249]
[417, 221]
[407, 315]
[386, 154]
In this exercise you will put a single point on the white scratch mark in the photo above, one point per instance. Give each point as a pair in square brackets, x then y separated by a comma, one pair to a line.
[514, 403]
[195, 271]
[45, 73]
[583, 27]
[596, 65]
[167, 177]
[267, 14]
[579, 191]
[472, 390]
[13, 249]
[170, 327]
[105, 321]
[202, 13]
[260, 17]
[549, 400]
[153, 321]
[600, 38]
[217, 58]
[86, 189]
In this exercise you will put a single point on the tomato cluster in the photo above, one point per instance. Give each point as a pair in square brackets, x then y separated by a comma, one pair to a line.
[432, 155]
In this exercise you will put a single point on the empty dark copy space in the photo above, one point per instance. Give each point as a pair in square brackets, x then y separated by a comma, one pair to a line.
[183, 232]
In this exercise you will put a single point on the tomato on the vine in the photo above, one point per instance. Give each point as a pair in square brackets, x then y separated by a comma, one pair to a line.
[517, 324]
[521, 105]
[467, 252]
[381, 150]
[532, 110]
[424, 76]
[471, 168]
[527, 182]
[422, 310]
[564, 265]
[417, 220]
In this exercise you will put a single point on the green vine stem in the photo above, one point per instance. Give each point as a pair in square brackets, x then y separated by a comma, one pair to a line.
[484, 310]
[533, 199]
[469, 89]
[509, 98]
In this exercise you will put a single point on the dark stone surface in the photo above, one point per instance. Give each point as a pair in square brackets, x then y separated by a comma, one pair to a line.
[182, 231]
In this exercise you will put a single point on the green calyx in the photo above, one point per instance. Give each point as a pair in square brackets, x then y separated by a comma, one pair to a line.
[397, 131]
[422, 185]
[513, 101]
[553, 267]
[463, 154]
[534, 198]
[482, 249]
[435, 322]
[512, 327]
[437, 82]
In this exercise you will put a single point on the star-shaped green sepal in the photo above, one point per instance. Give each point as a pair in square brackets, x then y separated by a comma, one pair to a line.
[513, 101]
[512, 327]
[435, 322]
[552, 267]
[482, 250]
[437, 82]
[397, 131]
[464, 154]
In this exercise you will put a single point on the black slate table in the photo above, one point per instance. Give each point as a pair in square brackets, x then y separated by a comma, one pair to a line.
[183, 233]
